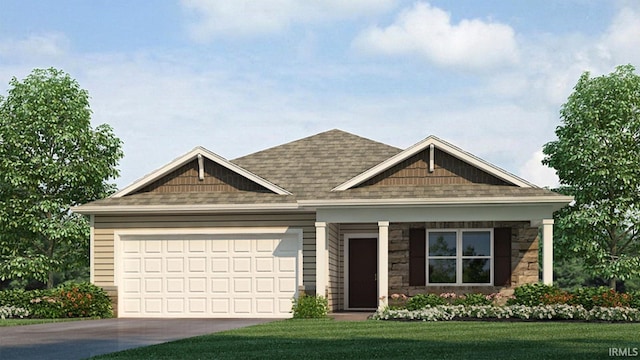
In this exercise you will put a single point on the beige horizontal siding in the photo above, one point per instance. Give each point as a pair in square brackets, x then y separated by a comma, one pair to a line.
[104, 227]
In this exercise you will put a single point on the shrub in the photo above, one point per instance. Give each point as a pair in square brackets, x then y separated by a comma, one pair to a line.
[557, 297]
[634, 302]
[68, 300]
[8, 312]
[538, 312]
[473, 299]
[611, 298]
[533, 294]
[421, 301]
[310, 307]
[602, 296]
[398, 301]
[84, 300]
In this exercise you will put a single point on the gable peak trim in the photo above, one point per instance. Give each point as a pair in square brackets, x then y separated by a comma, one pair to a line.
[432, 142]
[198, 152]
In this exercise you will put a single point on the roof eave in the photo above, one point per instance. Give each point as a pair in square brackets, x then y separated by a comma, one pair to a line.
[444, 201]
[182, 209]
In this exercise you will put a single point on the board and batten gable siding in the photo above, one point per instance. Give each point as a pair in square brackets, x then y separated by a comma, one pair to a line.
[448, 170]
[105, 227]
[217, 178]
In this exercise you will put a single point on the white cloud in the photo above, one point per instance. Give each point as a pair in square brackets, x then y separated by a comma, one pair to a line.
[49, 45]
[621, 43]
[255, 17]
[539, 174]
[427, 31]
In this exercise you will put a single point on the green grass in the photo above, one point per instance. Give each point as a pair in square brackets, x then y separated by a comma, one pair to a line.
[20, 322]
[327, 339]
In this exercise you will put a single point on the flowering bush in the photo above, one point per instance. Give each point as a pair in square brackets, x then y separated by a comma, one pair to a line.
[588, 297]
[8, 312]
[420, 301]
[523, 312]
[68, 300]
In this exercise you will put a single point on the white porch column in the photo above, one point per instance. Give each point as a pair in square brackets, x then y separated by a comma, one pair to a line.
[322, 259]
[547, 251]
[383, 263]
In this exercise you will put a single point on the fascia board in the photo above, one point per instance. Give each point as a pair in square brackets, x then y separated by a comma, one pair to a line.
[157, 174]
[185, 209]
[560, 200]
[440, 145]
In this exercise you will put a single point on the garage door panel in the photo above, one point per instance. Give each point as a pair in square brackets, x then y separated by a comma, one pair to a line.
[220, 286]
[220, 247]
[186, 276]
[175, 264]
[153, 285]
[175, 305]
[265, 285]
[242, 305]
[265, 305]
[197, 305]
[175, 246]
[221, 306]
[153, 246]
[286, 265]
[153, 305]
[197, 246]
[153, 265]
[132, 265]
[242, 264]
[132, 286]
[175, 285]
[264, 264]
[220, 265]
[197, 264]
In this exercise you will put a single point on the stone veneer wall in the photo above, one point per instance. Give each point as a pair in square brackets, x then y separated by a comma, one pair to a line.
[524, 257]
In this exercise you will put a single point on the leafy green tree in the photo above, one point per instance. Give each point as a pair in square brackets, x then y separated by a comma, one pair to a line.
[597, 158]
[50, 160]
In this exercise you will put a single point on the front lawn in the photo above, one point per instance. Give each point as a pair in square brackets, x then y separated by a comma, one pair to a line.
[327, 339]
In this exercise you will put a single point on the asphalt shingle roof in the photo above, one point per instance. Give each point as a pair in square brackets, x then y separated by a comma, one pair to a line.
[310, 167]
[317, 163]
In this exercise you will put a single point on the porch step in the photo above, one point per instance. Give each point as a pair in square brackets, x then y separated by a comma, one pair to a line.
[350, 315]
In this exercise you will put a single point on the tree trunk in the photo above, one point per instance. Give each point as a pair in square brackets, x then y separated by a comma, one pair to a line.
[612, 284]
[50, 280]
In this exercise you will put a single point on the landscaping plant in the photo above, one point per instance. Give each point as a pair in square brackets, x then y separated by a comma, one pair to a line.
[310, 307]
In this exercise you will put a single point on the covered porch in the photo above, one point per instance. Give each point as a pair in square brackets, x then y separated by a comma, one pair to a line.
[365, 253]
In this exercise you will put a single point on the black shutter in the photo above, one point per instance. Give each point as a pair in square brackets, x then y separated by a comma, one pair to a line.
[502, 256]
[417, 254]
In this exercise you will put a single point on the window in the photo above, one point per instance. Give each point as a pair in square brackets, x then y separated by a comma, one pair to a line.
[461, 257]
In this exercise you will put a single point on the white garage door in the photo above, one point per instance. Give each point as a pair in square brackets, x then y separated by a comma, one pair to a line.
[211, 275]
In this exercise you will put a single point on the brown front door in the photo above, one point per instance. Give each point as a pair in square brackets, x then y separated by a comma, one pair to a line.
[363, 268]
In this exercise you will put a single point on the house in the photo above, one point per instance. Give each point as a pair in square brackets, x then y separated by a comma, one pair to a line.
[333, 214]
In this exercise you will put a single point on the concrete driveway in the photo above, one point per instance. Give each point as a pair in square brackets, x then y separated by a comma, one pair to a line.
[86, 338]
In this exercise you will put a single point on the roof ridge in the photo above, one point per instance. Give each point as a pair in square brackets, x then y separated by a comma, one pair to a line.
[307, 138]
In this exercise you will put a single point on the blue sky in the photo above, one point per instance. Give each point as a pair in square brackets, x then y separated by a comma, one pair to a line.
[240, 76]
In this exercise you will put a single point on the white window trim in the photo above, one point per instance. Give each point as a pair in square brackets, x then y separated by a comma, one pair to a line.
[459, 257]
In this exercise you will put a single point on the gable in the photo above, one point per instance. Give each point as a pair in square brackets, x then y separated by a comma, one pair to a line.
[200, 170]
[216, 178]
[457, 166]
[447, 170]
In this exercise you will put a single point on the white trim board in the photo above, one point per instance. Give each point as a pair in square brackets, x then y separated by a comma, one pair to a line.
[347, 237]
